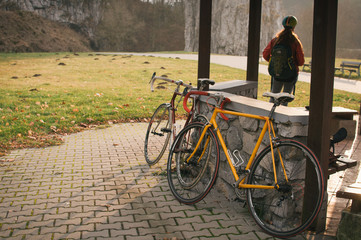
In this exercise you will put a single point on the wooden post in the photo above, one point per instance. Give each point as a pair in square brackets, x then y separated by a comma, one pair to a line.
[322, 77]
[204, 49]
[254, 32]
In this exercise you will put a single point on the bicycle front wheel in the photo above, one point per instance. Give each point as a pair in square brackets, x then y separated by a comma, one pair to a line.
[191, 179]
[158, 134]
[283, 211]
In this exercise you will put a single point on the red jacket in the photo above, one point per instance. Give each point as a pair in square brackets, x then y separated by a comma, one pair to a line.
[297, 52]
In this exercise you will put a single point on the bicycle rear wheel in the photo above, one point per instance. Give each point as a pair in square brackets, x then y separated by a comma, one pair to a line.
[282, 212]
[191, 181]
[158, 134]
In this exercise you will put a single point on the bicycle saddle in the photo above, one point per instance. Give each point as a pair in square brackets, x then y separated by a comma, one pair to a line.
[206, 81]
[281, 97]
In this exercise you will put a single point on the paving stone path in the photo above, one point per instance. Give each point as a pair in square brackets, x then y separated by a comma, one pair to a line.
[97, 185]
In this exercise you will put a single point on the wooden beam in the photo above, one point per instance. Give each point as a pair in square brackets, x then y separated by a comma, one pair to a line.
[322, 78]
[254, 32]
[204, 49]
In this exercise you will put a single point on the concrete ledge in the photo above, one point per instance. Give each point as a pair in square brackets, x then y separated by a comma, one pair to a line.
[237, 87]
[253, 106]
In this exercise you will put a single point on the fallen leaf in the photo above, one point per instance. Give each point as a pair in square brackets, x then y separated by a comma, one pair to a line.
[75, 110]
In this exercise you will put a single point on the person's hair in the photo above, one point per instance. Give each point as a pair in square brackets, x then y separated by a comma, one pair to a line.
[287, 36]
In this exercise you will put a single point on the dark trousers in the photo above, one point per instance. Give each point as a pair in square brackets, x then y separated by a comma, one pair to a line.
[288, 86]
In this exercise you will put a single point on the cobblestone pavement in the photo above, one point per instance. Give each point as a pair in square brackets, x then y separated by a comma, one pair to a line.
[97, 185]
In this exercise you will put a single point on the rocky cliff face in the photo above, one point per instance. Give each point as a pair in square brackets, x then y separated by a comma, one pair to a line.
[230, 25]
[82, 15]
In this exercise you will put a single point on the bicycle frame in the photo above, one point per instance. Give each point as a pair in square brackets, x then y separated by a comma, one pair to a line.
[173, 110]
[172, 105]
[268, 127]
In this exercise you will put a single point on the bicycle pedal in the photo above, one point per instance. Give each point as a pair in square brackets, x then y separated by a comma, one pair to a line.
[166, 130]
[158, 134]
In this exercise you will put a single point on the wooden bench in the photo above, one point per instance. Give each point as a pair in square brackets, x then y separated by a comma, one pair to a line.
[350, 67]
[349, 226]
[353, 192]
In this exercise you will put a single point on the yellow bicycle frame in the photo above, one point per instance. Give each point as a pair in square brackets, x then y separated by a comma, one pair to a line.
[268, 126]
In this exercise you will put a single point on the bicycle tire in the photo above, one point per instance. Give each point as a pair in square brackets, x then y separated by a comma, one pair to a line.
[280, 212]
[158, 134]
[191, 182]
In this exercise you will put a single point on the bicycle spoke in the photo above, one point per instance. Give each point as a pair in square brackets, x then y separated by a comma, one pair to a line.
[158, 134]
[281, 212]
[190, 179]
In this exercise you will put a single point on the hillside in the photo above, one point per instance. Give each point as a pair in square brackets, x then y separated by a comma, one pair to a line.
[26, 32]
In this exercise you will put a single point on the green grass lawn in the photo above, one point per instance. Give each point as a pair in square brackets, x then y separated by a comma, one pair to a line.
[46, 95]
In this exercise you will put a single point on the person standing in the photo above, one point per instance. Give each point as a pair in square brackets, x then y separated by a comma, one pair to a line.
[284, 54]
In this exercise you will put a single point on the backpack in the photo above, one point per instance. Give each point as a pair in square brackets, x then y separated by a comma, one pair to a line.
[281, 65]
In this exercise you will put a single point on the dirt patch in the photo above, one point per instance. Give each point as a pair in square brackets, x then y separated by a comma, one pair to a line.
[26, 32]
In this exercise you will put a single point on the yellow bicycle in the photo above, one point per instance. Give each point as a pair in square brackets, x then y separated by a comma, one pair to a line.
[278, 181]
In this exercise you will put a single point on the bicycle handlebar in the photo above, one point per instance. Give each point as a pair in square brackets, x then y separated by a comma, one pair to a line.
[179, 82]
[219, 96]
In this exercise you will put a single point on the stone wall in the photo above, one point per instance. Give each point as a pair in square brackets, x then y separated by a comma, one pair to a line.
[241, 134]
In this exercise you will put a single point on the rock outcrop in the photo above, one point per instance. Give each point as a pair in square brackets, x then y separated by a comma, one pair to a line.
[230, 25]
[81, 15]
